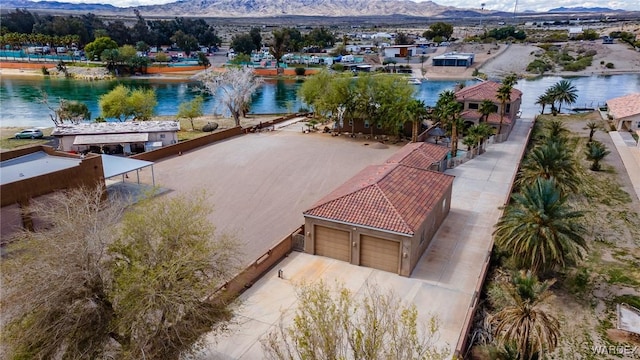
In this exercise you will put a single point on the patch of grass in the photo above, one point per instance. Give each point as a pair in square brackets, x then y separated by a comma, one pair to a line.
[632, 300]
[8, 142]
[578, 282]
[620, 275]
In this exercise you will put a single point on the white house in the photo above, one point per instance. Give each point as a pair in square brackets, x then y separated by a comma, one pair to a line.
[401, 51]
[116, 137]
[624, 111]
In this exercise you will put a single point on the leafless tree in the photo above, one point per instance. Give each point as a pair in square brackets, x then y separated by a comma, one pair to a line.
[103, 279]
[337, 324]
[233, 87]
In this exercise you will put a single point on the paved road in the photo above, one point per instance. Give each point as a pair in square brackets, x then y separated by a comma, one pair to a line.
[261, 183]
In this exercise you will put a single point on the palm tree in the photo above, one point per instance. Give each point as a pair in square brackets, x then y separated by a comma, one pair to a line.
[523, 321]
[486, 108]
[544, 100]
[504, 95]
[417, 112]
[482, 131]
[448, 111]
[555, 130]
[539, 229]
[593, 127]
[595, 152]
[565, 92]
[550, 160]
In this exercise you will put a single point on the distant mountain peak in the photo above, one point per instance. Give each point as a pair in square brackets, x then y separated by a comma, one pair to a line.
[583, 9]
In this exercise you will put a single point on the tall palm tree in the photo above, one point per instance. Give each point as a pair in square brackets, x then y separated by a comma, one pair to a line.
[550, 160]
[417, 111]
[486, 108]
[595, 152]
[565, 92]
[504, 95]
[523, 321]
[539, 229]
[448, 111]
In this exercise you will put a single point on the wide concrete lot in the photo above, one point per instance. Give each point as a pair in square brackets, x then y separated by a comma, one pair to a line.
[443, 283]
[259, 184]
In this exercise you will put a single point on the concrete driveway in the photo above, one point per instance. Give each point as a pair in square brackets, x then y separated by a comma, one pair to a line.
[259, 184]
[444, 282]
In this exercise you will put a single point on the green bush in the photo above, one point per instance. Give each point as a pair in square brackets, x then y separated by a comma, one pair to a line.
[578, 65]
[337, 67]
[538, 66]
[300, 71]
[609, 66]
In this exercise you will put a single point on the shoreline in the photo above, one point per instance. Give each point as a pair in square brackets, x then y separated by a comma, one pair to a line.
[493, 60]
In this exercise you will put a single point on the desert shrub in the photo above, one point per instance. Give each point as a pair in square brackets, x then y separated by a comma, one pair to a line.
[337, 67]
[300, 71]
[44, 71]
[609, 66]
[601, 62]
[591, 53]
[566, 57]
[578, 65]
[546, 46]
[538, 66]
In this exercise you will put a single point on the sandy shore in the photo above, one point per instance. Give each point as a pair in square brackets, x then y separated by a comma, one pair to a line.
[495, 61]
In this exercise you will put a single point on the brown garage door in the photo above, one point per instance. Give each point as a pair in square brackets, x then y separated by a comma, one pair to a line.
[332, 243]
[379, 253]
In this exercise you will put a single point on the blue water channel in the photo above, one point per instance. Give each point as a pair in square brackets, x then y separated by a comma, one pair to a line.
[20, 96]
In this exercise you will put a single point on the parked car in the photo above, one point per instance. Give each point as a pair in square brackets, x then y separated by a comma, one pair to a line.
[29, 134]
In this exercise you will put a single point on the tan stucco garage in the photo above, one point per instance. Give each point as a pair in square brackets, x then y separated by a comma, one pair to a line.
[385, 216]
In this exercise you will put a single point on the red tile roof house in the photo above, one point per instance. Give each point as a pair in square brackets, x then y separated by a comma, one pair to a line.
[472, 96]
[624, 111]
[386, 215]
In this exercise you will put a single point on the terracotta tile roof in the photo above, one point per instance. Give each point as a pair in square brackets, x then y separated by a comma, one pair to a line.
[493, 118]
[391, 197]
[624, 106]
[485, 90]
[420, 154]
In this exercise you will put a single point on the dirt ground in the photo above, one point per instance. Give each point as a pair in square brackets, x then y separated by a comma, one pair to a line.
[585, 296]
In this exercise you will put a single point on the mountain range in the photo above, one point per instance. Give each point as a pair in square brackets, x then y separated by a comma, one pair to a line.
[278, 8]
[262, 8]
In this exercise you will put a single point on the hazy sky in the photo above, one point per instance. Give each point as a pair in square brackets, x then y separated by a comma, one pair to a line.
[504, 5]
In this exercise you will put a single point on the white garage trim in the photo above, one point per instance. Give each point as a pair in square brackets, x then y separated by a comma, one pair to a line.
[358, 225]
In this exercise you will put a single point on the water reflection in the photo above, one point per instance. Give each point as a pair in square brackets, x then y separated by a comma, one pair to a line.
[20, 105]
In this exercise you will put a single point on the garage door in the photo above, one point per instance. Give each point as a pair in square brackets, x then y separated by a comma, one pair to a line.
[332, 243]
[379, 253]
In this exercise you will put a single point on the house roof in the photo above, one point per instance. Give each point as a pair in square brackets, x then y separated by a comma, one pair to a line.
[419, 155]
[116, 128]
[455, 55]
[33, 165]
[392, 197]
[493, 118]
[486, 90]
[624, 106]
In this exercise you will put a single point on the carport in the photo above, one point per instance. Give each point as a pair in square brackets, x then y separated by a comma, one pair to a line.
[115, 165]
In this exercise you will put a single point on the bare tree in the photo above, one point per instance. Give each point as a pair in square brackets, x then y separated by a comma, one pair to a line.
[54, 293]
[233, 87]
[337, 324]
[103, 279]
[68, 110]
